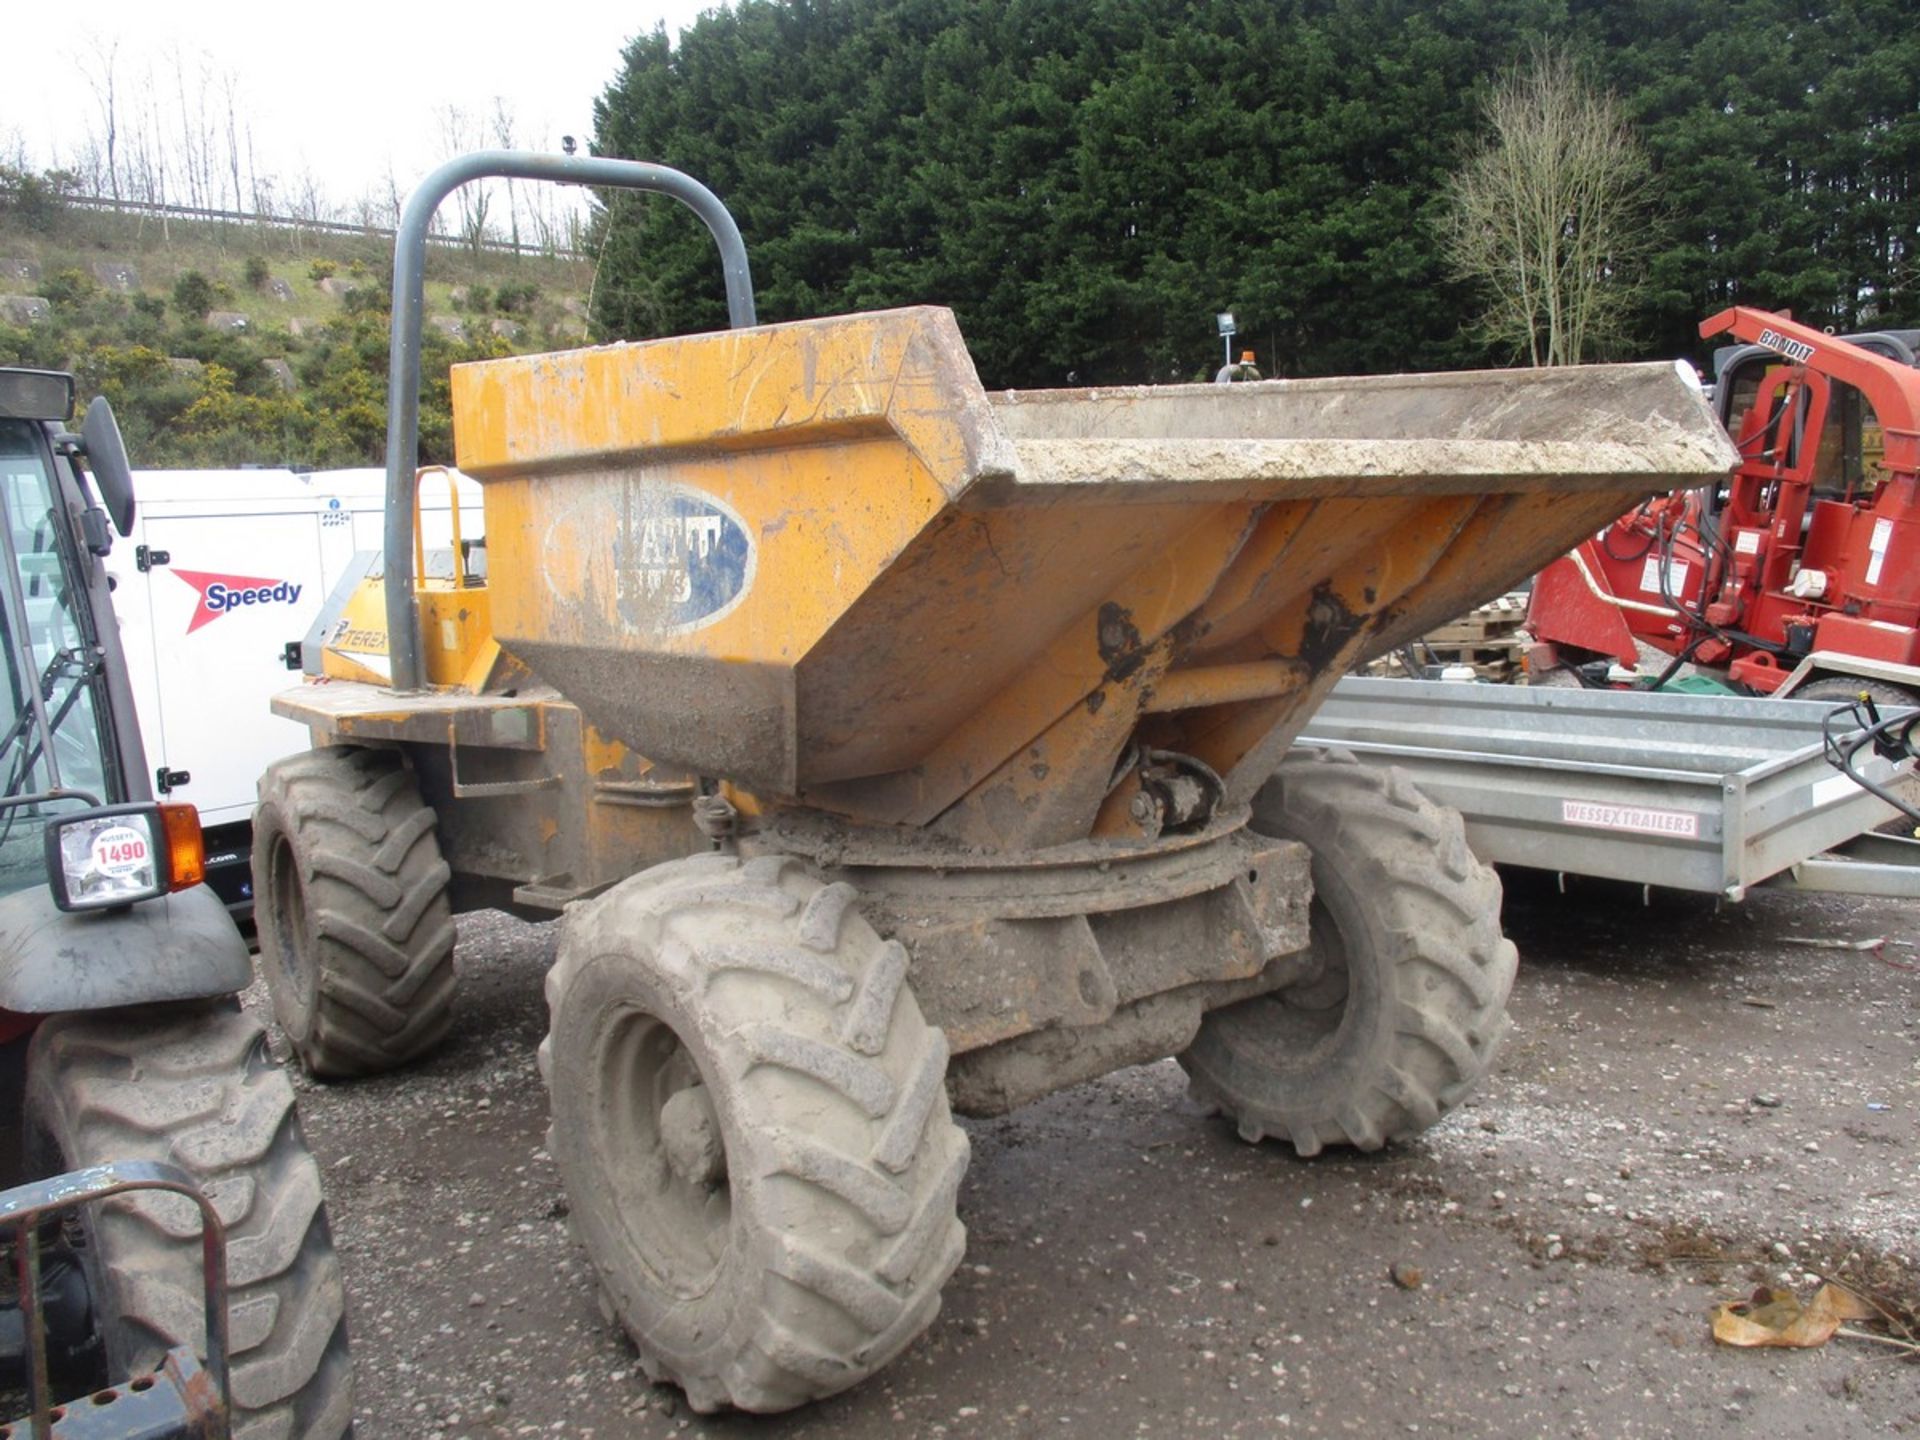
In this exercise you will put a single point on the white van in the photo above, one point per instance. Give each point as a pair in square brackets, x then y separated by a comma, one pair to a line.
[221, 580]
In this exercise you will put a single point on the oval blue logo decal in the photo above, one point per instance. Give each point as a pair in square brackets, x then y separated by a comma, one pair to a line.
[681, 558]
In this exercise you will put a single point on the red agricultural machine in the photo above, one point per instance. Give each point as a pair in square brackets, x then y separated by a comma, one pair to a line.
[1799, 575]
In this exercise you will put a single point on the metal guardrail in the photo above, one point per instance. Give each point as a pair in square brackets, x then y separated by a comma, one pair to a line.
[382, 233]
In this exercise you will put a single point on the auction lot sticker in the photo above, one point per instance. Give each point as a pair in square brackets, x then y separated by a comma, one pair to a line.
[120, 851]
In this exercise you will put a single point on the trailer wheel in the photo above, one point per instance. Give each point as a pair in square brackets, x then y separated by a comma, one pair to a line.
[350, 902]
[750, 1116]
[1408, 1006]
[1840, 689]
[195, 1087]
[1843, 689]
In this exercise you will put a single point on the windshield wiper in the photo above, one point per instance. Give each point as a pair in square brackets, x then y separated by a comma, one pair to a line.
[71, 664]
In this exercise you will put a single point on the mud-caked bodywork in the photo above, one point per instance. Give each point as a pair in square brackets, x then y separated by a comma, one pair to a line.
[1046, 647]
[964, 720]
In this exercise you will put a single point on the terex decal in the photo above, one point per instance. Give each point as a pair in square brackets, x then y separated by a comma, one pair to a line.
[681, 559]
[220, 594]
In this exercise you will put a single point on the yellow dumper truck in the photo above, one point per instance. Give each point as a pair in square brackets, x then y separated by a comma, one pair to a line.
[895, 748]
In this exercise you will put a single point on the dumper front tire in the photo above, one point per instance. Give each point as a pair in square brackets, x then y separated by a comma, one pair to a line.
[350, 902]
[194, 1086]
[750, 1116]
[1407, 1006]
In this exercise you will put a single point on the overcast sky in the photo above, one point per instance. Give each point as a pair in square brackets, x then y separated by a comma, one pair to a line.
[350, 89]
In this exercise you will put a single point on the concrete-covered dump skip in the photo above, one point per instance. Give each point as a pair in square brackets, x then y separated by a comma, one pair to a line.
[819, 559]
[1584, 428]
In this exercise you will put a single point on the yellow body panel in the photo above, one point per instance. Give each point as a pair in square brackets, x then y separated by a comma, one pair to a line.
[820, 562]
[839, 441]
[456, 630]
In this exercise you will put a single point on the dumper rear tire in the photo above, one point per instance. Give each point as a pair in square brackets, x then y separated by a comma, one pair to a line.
[194, 1086]
[750, 1116]
[1407, 1007]
[350, 902]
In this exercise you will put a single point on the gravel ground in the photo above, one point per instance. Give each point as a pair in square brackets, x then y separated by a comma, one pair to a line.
[1689, 1105]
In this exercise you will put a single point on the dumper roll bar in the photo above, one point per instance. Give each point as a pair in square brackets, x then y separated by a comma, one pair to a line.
[403, 360]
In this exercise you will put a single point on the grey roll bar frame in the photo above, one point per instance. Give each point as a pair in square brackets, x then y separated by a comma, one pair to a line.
[403, 358]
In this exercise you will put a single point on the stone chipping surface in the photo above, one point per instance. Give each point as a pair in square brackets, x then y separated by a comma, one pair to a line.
[1688, 1106]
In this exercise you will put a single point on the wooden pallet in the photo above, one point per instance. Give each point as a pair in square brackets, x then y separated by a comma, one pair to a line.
[1488, 639]
[1505, 670]
[1497, 619]
[1479, 652]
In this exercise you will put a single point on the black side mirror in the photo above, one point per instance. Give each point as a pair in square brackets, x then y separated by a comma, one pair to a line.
[107, 459]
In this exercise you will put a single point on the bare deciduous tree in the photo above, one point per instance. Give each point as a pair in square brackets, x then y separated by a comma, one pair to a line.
[1552, 214]
[461, 131]
[262, 186]
[502, 127]
[230, 95]
[100, 77]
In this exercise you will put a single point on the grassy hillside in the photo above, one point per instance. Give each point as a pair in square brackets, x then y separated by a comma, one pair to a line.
[230, 344]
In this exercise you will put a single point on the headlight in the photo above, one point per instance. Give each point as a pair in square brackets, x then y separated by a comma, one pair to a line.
[117, 855]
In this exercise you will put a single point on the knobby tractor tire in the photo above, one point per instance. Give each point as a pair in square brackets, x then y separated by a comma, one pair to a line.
[750, 1116]
[1409, 1005]
[194, 1086]
[350, 902]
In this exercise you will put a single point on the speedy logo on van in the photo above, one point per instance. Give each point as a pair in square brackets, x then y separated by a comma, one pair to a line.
[223, 594]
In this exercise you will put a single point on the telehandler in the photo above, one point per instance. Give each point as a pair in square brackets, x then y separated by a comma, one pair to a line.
[892, 749]
[124, 1055]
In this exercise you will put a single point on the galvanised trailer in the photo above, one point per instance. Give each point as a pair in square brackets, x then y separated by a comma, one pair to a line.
[1710, 793]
